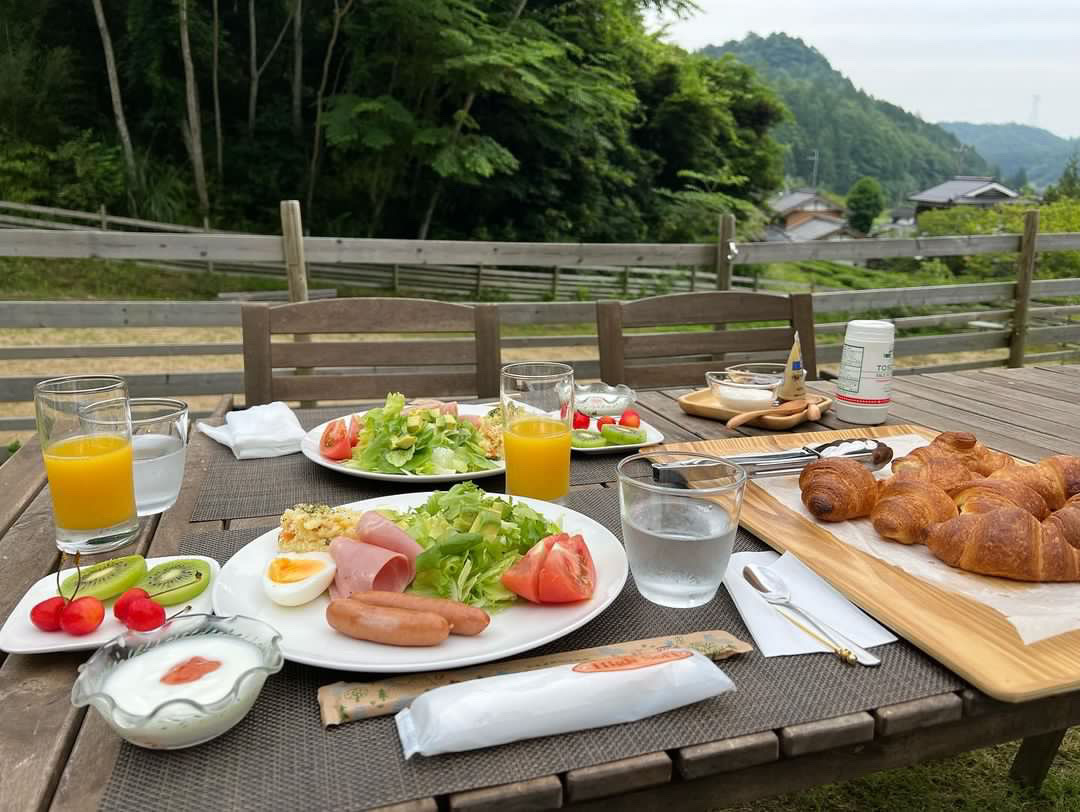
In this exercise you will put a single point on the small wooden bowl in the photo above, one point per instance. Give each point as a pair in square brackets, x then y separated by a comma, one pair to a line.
[703, 403]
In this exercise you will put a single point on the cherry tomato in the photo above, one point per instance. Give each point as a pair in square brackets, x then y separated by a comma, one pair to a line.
[354, 431]
[334, 444]
[630, 418]
[581, 420]
[604, 421]
[558, 569]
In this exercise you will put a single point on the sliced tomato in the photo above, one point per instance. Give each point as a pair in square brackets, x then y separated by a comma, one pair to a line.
[354, 431]
[558, 569]
[568, 573]
[334, 444]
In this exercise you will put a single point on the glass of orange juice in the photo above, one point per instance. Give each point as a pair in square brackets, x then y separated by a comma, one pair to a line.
[538, 407]
[89, 461]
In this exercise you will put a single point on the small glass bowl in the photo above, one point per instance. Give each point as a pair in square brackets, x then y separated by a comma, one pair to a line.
[178, 723]
[600, 399]
[743, 391]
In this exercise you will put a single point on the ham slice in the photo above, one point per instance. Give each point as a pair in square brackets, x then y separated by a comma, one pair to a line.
[380, 531]
[362, 567]
[431, 403]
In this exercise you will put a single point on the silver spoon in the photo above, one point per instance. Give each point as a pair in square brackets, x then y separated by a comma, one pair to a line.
[775, 590]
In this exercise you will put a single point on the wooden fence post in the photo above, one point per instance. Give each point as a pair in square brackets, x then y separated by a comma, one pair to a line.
[395, 280]
[479, 280]
[206, 228]
[104, 218]
[555, 283]
[723, 260]
[1025, 271]
[292, 238]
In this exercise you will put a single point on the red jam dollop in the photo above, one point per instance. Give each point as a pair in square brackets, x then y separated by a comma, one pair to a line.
[190, 670]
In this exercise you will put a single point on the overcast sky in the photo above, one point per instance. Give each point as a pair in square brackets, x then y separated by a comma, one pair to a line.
[960, 60]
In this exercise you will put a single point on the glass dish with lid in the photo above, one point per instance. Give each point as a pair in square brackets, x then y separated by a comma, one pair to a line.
[182, 684]
[746, 387]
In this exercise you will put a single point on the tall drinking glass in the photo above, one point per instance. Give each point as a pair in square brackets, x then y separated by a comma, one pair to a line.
[679, 512]
[89, 464]
[159, 437]
[538, 408]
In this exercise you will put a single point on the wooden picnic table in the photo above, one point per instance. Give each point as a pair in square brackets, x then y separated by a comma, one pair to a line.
[59, 757]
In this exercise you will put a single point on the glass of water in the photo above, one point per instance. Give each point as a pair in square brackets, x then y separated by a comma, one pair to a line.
[679, 511]
[159, 438]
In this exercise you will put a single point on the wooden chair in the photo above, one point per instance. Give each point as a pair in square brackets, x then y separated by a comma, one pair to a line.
[362, 377]
[683, 358]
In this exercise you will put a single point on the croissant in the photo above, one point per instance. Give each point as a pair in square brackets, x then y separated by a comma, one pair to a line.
[1055, 479]
[834, 490]
[930, 464]
[963, 447]
[985, 495]
[907, 508]
[1011, 543]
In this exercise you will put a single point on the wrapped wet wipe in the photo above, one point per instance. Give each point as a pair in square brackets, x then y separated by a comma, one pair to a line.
[548, 701]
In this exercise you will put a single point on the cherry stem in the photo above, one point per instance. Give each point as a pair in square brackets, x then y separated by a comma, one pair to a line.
[177, 614]
[198, 576]
[78, 579]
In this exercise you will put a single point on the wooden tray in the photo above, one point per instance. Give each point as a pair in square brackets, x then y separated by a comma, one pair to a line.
[704, 404]
[969, 638]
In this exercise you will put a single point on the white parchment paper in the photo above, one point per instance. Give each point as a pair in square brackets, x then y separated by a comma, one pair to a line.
[1036, 611]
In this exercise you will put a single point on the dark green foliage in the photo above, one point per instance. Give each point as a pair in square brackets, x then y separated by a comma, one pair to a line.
[853, 133]
[1015, 147]
[1068, 187]
[864, 203]
[507, 119]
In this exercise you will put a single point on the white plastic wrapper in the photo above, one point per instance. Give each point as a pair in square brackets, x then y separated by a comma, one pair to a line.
[497, 710]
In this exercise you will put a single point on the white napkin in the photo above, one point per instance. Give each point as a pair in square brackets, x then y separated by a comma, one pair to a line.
[774, 634]
[269, 430]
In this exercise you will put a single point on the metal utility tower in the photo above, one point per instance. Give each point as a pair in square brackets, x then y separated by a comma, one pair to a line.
[1035, 110]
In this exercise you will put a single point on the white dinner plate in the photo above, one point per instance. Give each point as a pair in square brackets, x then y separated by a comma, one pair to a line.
[20, 636]
[306, 637]
[309, 446]
[653, 436]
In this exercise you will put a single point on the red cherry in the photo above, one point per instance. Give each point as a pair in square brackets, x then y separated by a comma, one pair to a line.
[604, 421]
[82, 615]
[630, 419]
[123, 603]
[143, 615]
[46, 615]
[581, 420]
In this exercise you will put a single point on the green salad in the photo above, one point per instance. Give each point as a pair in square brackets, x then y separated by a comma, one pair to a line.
[422, 441]
[470, 538]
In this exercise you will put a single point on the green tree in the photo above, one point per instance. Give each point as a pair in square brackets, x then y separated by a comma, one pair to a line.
[864, 203]
[1068, 186]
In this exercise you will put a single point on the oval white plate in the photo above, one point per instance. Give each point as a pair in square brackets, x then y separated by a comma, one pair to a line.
[20, 636]
[306, 637]
[309, 447]
[653, 436]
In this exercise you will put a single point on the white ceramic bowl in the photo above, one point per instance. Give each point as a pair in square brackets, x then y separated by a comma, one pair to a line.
[178, 722]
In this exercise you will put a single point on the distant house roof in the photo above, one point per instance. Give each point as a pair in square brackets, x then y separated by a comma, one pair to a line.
[800, 199]
[817, 227]
[965, 189]
[902, 213]
[776, 234]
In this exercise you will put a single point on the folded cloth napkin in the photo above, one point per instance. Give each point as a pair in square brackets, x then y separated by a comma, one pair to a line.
[269, 430]
[774, 634]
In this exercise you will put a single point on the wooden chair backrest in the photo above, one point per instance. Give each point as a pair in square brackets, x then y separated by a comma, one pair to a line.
[370, 368]
[683, 358]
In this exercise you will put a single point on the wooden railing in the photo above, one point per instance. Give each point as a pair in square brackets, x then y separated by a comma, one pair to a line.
[988, 308]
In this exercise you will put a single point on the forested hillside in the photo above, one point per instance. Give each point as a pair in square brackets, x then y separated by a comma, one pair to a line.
[1022, 152]
[501, 119]
[853, 133]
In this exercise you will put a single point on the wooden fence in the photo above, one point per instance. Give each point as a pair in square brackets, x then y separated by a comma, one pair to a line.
[985, 319]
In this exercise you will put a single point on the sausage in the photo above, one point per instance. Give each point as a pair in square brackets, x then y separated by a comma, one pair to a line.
[464, 620]
[380, 624]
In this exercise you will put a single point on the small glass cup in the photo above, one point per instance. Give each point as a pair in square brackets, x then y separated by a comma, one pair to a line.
[680, 512]
[538, 407]
[89, 462]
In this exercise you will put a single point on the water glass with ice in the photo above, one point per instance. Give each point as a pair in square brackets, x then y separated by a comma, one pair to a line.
[680, 512]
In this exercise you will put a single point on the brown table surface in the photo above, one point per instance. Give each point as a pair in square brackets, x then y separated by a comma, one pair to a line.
[56, 756]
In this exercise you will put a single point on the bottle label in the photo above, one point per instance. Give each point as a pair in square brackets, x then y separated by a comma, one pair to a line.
[865, 373]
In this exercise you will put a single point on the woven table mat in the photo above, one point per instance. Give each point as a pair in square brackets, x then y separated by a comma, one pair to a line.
[280, 757]
[245, 489]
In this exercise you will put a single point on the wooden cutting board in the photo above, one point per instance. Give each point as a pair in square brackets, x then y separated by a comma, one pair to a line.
[703, 403]
[969, 638]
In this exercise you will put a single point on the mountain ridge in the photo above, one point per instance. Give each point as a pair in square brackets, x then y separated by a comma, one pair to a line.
[853, 133]
[1013, 147]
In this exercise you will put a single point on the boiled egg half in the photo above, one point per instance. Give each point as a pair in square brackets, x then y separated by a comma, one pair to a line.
[292, 579]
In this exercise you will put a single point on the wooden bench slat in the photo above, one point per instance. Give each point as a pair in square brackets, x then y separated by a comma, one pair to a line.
[727, 755]
[372, 353]
[356, 387]
[617, 777]
[826, 734]
[903, 717]
[522, 796]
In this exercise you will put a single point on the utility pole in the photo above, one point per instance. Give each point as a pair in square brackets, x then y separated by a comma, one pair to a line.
[814, 158]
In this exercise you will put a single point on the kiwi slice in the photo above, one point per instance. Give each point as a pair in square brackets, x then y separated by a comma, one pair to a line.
[106, 579]
[177, 581]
